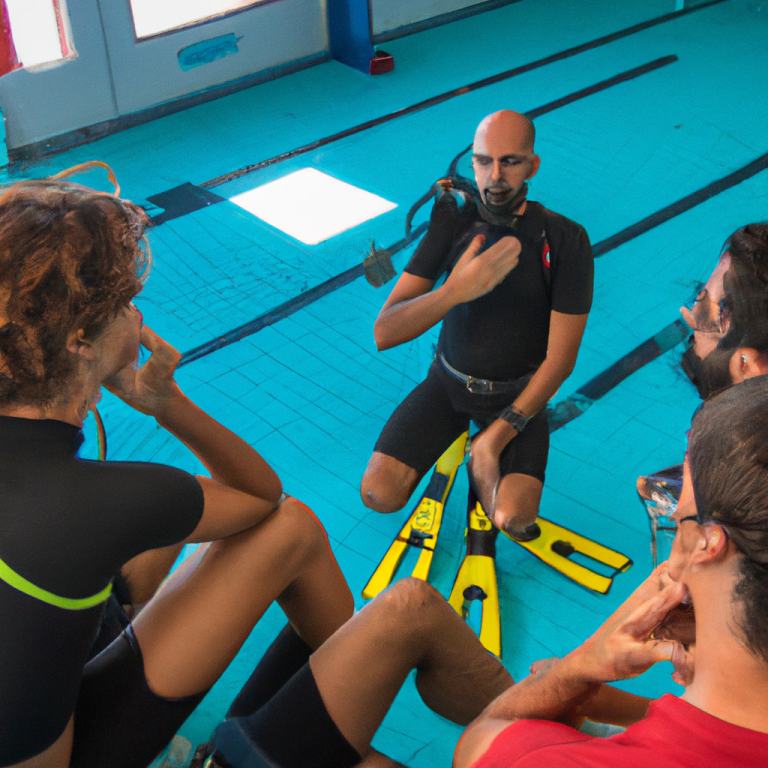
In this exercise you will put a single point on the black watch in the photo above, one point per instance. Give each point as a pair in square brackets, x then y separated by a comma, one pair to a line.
[513, 417]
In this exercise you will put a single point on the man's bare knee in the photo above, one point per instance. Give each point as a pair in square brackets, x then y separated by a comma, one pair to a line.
[387, 484]
[518, 501]
[381, 499]
[412, 603]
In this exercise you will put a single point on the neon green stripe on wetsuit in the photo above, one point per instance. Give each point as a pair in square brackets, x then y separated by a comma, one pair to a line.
[9, 576]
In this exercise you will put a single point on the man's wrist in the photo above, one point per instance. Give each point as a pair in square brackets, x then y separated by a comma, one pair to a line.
[497, 436]
[580, 667]
[515, 417]
[554, 693]
[448, 294]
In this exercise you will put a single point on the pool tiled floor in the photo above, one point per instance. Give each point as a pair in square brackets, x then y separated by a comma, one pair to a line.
[312, 393]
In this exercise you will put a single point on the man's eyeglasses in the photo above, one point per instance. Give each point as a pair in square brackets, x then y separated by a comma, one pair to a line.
[703, 315]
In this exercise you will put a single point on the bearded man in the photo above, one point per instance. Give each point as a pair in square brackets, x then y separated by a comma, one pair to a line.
[514, 307]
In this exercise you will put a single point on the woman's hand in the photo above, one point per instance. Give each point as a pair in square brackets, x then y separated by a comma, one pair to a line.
[151, 388]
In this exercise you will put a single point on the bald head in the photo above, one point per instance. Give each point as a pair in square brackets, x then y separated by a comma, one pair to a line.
[507, 126]
[503, 159]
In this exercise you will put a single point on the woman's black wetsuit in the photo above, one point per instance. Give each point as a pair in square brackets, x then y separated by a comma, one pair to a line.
[67, 525]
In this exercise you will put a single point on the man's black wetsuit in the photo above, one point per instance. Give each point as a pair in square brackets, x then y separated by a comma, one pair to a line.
[66, 527]
[501, 336]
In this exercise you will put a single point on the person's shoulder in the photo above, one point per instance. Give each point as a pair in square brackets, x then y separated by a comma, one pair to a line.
[140, 478]
[557, 222]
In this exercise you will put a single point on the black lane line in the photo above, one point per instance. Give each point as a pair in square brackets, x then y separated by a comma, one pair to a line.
[313, 294]
[573, 406]
[603, 85]
[431, 102]
[292, 305]
[188, 198]
[681, 206]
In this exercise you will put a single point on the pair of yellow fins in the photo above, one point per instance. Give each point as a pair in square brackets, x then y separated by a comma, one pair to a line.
[476, 579]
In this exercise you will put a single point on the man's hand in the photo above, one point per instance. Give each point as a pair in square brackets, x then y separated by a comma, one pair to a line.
[483, 466]
[680, 625]
[626, 645]
[152, 387]
[475, 275]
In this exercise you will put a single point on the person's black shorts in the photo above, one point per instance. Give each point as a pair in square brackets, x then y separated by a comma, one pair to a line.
[292, 730]
[440, 409]
[119, 721]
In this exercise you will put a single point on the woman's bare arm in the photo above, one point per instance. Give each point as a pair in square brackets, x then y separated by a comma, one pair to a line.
[243, 488]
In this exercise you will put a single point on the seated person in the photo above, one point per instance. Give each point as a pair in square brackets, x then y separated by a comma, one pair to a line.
[729, 316]
[513, 309]
[71, 261]
[329, 711]
[729, 343]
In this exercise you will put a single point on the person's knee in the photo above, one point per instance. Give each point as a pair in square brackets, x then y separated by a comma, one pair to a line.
[387, 484]
[412, 604]
[517, 502]
[305, 528]
[294, 533]
[380, 498]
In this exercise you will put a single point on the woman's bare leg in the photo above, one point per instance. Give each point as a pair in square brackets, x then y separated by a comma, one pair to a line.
[191, 630]
[360, 669]
[146, 572]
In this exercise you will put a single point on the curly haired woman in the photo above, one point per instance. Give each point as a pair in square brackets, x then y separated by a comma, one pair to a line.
[71, 261]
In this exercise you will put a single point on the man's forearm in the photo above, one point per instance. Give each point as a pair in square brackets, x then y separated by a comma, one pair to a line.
[615, 707]
[539, 391]
[228, 458]
[409, 319]
[555, 693]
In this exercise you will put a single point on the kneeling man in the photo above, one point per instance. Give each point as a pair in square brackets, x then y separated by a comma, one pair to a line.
[514, 307]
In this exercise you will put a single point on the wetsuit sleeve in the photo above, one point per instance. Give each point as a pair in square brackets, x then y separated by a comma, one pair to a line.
[429, 260]
[573, 269]
[161, 506]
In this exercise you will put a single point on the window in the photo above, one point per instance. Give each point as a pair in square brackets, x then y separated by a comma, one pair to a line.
[153, 17]
[40, 31]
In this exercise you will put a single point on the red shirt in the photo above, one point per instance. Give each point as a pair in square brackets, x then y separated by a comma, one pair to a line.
[674, 734]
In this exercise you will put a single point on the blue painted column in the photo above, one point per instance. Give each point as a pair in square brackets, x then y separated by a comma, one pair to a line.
[349, 30]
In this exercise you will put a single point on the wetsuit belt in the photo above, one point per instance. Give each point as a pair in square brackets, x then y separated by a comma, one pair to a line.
[17, 581]
[480, 386]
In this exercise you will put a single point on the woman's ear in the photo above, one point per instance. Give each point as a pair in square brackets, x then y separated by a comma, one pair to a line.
[77, 344]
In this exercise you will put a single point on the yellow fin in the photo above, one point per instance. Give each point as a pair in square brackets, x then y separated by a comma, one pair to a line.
[556, 544]
[423, 525]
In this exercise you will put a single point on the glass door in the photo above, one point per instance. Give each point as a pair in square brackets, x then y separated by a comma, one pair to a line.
[165, 49]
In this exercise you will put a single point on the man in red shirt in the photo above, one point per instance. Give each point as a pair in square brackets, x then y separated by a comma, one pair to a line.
[718, 571]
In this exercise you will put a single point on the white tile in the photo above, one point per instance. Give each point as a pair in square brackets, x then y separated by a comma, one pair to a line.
[312, 206]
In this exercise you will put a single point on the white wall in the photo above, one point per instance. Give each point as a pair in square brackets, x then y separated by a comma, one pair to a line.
[391, 14]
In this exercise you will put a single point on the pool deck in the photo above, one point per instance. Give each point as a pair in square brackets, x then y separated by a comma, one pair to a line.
[310, 391]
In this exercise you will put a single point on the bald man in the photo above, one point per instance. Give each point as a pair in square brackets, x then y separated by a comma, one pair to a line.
[514, 307]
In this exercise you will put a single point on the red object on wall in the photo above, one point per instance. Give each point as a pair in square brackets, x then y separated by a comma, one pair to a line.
[8, 58]
[382, 62]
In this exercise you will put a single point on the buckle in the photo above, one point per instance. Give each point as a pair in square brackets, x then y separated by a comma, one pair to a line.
[479, 386]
